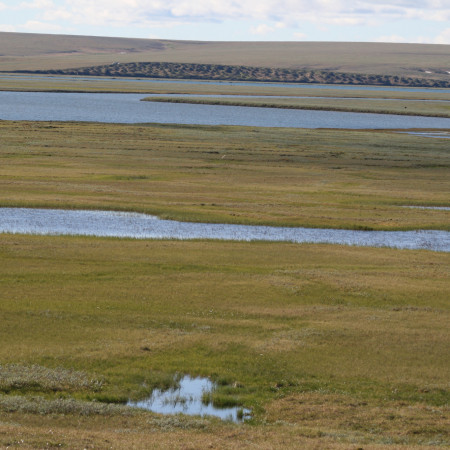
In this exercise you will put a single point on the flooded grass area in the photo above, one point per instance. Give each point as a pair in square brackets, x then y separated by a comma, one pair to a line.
[141, 226]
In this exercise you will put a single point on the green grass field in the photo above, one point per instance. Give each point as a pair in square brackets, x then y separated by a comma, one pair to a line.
[329, 346]
[292, 177]
[342, 344]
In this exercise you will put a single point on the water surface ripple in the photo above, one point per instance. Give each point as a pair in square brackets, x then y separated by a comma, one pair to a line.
[142, 226]
[127, 108]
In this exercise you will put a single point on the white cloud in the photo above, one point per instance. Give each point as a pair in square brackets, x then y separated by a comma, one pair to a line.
[5, 27]
[37, 4]
[443, 38]
[35, 25]
[270, 16]
[391, 38]
[300, 36]
[261, 29]
[289, 12]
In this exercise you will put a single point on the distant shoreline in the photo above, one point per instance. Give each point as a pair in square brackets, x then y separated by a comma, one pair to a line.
[221, 72]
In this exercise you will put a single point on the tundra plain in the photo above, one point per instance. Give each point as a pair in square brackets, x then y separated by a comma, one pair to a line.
[330, 346]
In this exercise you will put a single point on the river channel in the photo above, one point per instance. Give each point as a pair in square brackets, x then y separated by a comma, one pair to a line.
[142, 226]
[127, 108]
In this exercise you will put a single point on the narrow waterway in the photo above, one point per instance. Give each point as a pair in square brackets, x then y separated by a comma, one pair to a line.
[142, 226]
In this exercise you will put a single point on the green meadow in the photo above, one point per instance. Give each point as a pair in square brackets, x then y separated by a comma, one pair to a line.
[353, 179]
[329, 346]
[377, 106]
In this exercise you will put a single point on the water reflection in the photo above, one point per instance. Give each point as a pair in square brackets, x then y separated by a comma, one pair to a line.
[127, 108]
[142, 226]
[190, 397]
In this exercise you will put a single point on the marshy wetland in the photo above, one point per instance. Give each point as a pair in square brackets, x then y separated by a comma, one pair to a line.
[325, 345]
[141, 226]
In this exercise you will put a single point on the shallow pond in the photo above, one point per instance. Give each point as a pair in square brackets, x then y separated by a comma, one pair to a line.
[142, 226]
[190, 397]
[127, 108]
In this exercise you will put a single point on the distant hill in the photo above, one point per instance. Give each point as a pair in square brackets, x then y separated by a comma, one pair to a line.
[241, 73]
[27, 51]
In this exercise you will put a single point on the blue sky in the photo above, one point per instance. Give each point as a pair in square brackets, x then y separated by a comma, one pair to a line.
[418, 21]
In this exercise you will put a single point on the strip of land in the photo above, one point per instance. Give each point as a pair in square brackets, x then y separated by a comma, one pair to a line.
[353, 179]
[15, 82]
[409, 108]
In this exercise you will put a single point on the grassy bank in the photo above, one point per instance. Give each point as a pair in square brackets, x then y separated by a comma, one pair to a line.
[294, 177]
[15, 82]
[327, 345]
[408, 108]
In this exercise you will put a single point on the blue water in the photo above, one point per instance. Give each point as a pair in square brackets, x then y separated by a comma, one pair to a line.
[186, 398]
[142, 226]
[127, 108]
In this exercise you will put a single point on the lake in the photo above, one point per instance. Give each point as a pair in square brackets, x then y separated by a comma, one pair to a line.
[142, 226]
[127, 108]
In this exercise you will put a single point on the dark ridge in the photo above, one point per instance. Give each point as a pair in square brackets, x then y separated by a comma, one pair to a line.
[240, 73]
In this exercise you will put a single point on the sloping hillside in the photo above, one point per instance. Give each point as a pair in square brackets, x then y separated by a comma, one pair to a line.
[242, 73]
[23, 51]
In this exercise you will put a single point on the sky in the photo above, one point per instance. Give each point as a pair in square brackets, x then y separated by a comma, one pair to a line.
[413, 21]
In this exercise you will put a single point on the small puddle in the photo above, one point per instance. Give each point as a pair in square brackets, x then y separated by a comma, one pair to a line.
[190, 397]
